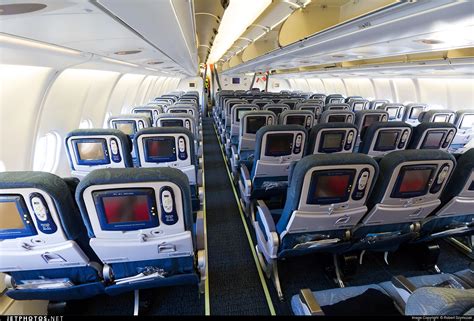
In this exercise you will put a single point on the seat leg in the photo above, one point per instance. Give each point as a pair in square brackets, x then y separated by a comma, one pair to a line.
[276, 280]
[361, 257]
[57, 308]
[385, 257]
[136, 302]
[337, 269]
[271, 271]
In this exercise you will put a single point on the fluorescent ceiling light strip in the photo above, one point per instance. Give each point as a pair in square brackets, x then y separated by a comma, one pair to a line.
[115, 61]
[6, 38]
[237, 17]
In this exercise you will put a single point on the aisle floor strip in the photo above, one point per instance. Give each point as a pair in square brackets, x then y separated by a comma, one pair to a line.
[207, 305]
[249, 238]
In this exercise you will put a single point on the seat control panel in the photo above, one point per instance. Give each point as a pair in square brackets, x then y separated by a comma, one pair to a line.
[114, 151]
[361, 184]
[42, 213]
[169, 215]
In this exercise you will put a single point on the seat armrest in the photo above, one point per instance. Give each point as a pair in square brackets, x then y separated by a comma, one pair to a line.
[235, 153]
[403, 283]
[234, 159]
[200, 234]
[246, 181]
[308, 299]
[264, 212]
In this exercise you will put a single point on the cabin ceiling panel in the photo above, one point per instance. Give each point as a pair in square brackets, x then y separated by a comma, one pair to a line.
[385, 33]
[81, 25]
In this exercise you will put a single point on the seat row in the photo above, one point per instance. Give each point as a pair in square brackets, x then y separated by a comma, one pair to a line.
[338, 205]
[117, 230]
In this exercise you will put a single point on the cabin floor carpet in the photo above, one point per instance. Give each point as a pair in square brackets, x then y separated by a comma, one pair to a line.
[234, 284]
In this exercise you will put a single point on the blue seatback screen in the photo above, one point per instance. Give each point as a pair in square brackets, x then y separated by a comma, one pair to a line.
[279, 145]
[255, 123]
[160, 149]
[413, 181]
[15, 220]
[91, 151]
[128, 127]
[126, 209]
[172, 123]
[330, 186]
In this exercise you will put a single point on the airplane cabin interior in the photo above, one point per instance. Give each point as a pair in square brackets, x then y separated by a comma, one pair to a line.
[237, 157]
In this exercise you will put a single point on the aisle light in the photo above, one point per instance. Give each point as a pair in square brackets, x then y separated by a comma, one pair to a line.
[236, 19]
[14, 40]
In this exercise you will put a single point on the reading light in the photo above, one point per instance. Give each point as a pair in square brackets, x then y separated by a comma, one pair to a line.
[127, 52]
[236, 19]
[14, 40]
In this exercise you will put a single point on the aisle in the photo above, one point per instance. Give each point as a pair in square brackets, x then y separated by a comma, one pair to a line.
[234, 284]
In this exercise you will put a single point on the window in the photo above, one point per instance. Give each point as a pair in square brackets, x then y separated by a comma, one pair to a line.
[47, 152]
[85, 124]
[2, 166]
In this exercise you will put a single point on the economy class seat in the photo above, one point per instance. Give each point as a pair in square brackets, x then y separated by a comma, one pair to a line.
[429, 135]
[303, 118]
[277, 108]
[331, 138]
[89, 149]
[337, 116]
[395, 111]
[441, 294]
[232, 137]
[250, 123]
[455, 215]
[326, 197]
[464, 123]
[374, 104]
[140, 225]
[334, 99]
[44, 248]
[276, 147]
[407, 190]
[171, 147]
[412, 112]
[437, 116]
[381, 138]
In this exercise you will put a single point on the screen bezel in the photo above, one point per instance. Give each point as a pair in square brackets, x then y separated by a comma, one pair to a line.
[401, 174]
[241, 110]
[147, 113]
[443, 136]
[303, 117]
[279, 136]
[413, 109]
[332, 116]
[445, 116]
[462, 121]
[98, 196]
[29, 227]
[369, 116]
[159, 159]
[115, 122]
[313, 200]
[397, 109]
[247, 127]
[164, 121]
[335, 149]
[379, 148]
[93, 162]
